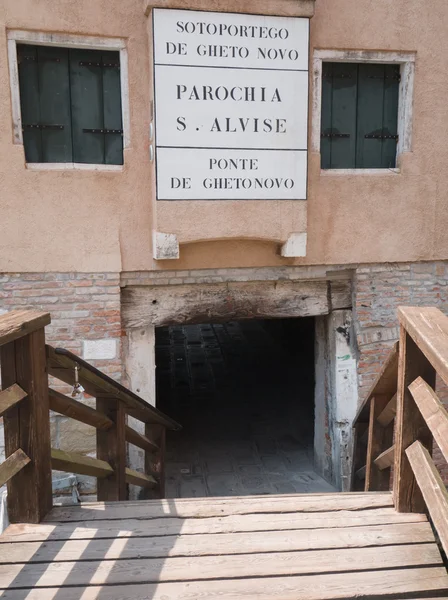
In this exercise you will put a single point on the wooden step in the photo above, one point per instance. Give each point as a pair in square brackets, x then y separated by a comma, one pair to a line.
[224, 543]
[86, 530]
[216, 507]
[217, 567]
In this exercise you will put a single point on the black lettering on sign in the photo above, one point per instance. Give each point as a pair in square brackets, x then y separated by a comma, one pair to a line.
[223, 93]
[176, 48]
[181, 125]
[274, 53]
[184, 183]
[244, 164]
[248, 124]
[246, 183]
[244, 31]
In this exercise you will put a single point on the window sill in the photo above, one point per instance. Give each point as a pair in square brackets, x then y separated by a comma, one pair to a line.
[72, 167]
[345, 172]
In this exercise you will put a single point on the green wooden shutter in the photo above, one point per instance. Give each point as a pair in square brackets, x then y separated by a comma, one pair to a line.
[96, 105]
[29, 101]
[54, 99]
[113, 142]
[327, 114]
[87, 106]
[71, 105]
[339, 94]
[359, 113]
[390, 115]
[370, 115]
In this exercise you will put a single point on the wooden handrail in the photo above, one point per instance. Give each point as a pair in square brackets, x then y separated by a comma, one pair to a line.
[18, 324]
[420, 417]
[25, 410]
[373, 427]
[25, 404]
[432, 411]
[10, 397]
[428, 327]
[12, 465]
[432, 488]
[385, 384]
[77, 463]
[61, 364]
[73, 409]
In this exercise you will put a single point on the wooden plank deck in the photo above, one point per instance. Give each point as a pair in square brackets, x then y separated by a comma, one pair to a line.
[292, 547]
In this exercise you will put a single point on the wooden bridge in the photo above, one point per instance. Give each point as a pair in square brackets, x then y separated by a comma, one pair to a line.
[369, 544]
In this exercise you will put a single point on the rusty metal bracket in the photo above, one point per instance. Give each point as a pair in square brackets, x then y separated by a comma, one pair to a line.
[120, 131]
[42, 126]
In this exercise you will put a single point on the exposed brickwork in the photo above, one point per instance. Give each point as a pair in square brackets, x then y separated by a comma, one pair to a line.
[201, 276]
[83, 307]
[378, 291]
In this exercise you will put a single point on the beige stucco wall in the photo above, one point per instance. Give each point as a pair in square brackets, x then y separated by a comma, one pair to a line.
[102, 221]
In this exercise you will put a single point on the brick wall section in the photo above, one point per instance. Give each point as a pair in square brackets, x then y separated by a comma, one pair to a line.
[378, 290]
[85, 319]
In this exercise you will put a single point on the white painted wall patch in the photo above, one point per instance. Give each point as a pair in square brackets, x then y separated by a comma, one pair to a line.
[99, 349]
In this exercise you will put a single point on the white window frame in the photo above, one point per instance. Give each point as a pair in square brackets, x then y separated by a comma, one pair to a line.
[18, 36]
[406, 60]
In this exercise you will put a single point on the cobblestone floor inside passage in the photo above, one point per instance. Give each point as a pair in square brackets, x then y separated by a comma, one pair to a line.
[243, 392]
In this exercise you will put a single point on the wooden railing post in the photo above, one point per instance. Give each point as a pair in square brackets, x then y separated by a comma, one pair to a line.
[379, 438]
[27, 424]
[409, 425]
[111, 447]
[155, 463]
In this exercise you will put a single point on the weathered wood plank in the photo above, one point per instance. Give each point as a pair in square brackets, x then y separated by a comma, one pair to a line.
[428, 327]
[385, 384]
[69, 407]
[217, 544]
[379, 437]
[77, 463]
[163, 305]
[61, 364]
[156, 462]
[432, 487]
[370, 584]
[12, 465]
[111, 448]
[27, 425]
[217, 567]
[141, 479]
[10, 397]
[385, 459]
[409, 424]
[432, 411]
[136, 438]
[388, 414]
[86, 530]
[19, 323]
[221, 507]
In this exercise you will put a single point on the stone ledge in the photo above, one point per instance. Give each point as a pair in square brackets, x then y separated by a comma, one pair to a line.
[281, 8]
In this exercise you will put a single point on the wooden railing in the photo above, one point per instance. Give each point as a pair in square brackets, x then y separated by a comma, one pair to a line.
[420, 419]
[25, 402]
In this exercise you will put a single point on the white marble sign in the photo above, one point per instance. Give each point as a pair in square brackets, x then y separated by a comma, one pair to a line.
[231, 106]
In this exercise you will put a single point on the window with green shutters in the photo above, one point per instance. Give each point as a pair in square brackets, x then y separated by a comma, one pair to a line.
[359, 115]
[71, 105]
